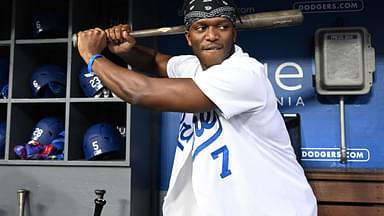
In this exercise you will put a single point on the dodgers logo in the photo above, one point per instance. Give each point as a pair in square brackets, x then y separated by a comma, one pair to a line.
[185, 132]
[207, 128]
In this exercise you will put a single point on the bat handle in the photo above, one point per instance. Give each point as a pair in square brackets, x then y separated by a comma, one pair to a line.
[99, 202]
[21, 194]
[100, 193]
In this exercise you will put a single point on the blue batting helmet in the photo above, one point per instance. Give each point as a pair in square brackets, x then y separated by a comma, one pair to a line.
[2, 139]
[90, 83]
[58, 142]
[48, 25]
[102, 141]
[47, 129]
[4, 91]
[48, 81]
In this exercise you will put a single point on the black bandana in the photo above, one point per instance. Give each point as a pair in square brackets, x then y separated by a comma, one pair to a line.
[200, 9]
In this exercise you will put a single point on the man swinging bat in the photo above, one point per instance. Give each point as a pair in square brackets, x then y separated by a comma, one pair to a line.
[233, 156]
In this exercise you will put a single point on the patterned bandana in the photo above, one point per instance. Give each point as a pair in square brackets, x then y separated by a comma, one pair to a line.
[201, 9]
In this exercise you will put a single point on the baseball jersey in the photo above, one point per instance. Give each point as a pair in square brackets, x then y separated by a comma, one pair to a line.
[236, 160]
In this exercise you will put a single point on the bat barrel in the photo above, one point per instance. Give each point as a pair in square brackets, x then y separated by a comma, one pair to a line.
[158, 31]
[271, 19]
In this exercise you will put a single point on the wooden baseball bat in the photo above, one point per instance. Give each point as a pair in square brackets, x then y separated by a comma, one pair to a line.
[99, 202]
[272, 19]
[21, 195]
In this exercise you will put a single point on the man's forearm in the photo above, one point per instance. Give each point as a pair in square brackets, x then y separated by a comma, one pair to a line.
[146, 59]
[141, 58]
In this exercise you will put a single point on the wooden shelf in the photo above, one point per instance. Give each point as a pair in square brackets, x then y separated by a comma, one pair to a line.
[352, 192]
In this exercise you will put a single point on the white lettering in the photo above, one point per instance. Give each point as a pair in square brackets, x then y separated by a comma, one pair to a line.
[327, 6]
[279, 75]
[300, 102]
[95, 145]
[333, 154]
[287, 101]
[37, 133]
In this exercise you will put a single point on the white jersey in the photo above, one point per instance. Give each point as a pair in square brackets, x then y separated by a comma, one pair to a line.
[236, 160]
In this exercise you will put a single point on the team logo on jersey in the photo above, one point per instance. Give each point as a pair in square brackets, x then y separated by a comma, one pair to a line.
[207, 129]
[200, 131]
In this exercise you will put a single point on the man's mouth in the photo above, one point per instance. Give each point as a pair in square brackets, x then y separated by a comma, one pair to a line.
[212, 48]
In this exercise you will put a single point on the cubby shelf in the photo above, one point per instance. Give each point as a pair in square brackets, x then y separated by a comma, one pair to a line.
[37, 34]
[66, 187]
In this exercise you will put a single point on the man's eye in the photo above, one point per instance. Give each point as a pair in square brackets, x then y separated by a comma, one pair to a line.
[222, 27]
[200, 28]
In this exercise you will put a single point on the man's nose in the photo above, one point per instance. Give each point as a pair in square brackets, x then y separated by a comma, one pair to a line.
[211, 33]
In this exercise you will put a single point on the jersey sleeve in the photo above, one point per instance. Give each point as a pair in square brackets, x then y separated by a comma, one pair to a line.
[180, 66]
[235, 87]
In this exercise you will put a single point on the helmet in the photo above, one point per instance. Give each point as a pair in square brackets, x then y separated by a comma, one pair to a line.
[48, 25]
[102, 141]
[2, 139]
[91, 84]
[47, 129]
[48, 81]
[58, 143]
[4, 91]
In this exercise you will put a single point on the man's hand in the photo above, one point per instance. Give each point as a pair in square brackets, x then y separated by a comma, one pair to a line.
[90, 42]
[119, 40]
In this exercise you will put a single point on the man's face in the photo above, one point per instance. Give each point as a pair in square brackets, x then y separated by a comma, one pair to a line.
[212, 40]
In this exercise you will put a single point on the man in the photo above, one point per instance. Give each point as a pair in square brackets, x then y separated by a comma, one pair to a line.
[233, 155]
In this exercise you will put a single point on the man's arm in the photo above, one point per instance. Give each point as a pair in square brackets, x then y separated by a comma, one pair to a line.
[142, 58]
[147, 59]
[165, 94]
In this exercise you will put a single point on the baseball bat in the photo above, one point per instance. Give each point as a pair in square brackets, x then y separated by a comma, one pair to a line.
[99, 202]
[21, 195]
[272, 19]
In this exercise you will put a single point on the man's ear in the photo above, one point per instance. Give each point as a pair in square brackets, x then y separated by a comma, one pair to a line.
[187, 37]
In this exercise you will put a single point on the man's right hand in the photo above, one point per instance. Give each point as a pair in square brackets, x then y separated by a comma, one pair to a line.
[119, 40]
